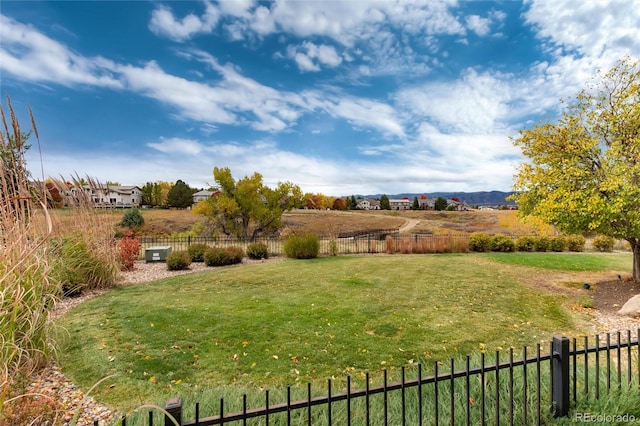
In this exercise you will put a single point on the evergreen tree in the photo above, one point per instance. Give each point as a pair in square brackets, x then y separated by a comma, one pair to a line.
[441, 204]
[180, 195]
[384, 202]
[415, 205]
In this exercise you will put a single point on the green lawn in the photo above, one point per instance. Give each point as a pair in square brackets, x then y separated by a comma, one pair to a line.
[567, 261]
[267, 325]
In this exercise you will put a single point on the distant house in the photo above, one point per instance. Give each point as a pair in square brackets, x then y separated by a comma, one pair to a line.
[363, 204]
[367, 204]
[425, 203]
[116, 196]
[400, 204]
[202, 196]
[457, 205]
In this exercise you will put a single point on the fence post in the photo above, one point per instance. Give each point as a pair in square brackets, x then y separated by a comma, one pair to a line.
[174, 408]
[560, 391]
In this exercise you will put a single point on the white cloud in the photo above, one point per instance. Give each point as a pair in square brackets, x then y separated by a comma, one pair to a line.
[584, 37]
[177, 146]
[479, 25]
[238, 8]
[164, 23]
[362, 113]
[310, 56]
[305, 63]
[32, 56]
[477, 102]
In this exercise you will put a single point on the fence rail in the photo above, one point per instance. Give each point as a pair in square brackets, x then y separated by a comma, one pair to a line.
[529, 390]
[370, 242]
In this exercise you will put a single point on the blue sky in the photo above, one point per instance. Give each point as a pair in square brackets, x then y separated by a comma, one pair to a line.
[339, 97]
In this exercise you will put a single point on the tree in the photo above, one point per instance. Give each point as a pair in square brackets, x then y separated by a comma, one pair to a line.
[353, 203]
[416, 204]
[248, 206]
[384, 202]
[583, 173]
[339, 204]
[180, 195]
[440, 204]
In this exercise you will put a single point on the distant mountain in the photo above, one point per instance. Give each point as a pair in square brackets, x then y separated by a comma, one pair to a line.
[482, 198]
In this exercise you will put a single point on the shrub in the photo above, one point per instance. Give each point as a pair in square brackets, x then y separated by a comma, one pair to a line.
[333, 248]
[302, 246]
[501, 242]
[218, 256]
[215, 256]
[479, 241]
[389, 243]
[235, 254]
[603, 243]
[558, 244]
[542, 243]
[129, 247]
[575, 242]
[196, 251]
[76, 266]
[132, 218]
[257, 251]
[525, 243]
[178, 260]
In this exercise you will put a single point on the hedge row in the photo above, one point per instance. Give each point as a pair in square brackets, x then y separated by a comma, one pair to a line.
[296, 246]
[481, 242]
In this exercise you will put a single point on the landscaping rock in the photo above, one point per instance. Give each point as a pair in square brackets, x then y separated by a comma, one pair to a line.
[632, 307]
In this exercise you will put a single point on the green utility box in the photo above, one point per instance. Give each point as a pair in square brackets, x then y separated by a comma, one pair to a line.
[157, 254]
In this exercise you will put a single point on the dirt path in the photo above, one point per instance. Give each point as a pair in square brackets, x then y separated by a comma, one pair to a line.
[408, 225]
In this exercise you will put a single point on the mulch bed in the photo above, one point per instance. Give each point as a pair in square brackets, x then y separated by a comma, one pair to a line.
[609, 296]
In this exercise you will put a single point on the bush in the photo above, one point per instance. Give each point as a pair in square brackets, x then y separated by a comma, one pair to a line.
[333, 248]
[178, 260]
[235, 254]
[525, 243]
[542, 243]
[132, 218]
[77, 266]
[558, 244]
[129, 247]
[302, 246]
[217, 256]
[479, 241]
[501, 242]
[196, 251]
[575, 242]
[603, 243]
[257, 251]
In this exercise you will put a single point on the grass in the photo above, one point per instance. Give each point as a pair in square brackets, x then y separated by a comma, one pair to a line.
[566, 261]
[273, 324]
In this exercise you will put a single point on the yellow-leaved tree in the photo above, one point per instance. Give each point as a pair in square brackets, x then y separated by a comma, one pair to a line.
[583, 173]
[247, 208]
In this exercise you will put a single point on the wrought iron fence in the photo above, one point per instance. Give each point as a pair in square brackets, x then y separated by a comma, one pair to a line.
[529, 390]
[371, 242]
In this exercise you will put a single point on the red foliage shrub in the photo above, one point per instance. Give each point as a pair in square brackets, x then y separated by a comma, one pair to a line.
[129, 251]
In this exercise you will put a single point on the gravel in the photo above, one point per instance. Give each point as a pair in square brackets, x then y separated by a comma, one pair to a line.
[51, 382]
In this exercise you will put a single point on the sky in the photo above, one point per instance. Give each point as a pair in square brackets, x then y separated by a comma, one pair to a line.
[338, 97]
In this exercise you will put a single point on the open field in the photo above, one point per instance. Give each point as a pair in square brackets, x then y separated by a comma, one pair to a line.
[329, 223]
[267, 325]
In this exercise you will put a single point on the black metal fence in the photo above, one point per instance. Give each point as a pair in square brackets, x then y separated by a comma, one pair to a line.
[532, 389]
[370, 242]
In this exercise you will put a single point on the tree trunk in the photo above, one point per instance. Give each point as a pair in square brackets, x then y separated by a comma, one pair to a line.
[635, 247]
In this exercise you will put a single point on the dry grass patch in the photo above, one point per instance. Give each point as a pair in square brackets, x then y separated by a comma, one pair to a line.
[330, 223]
